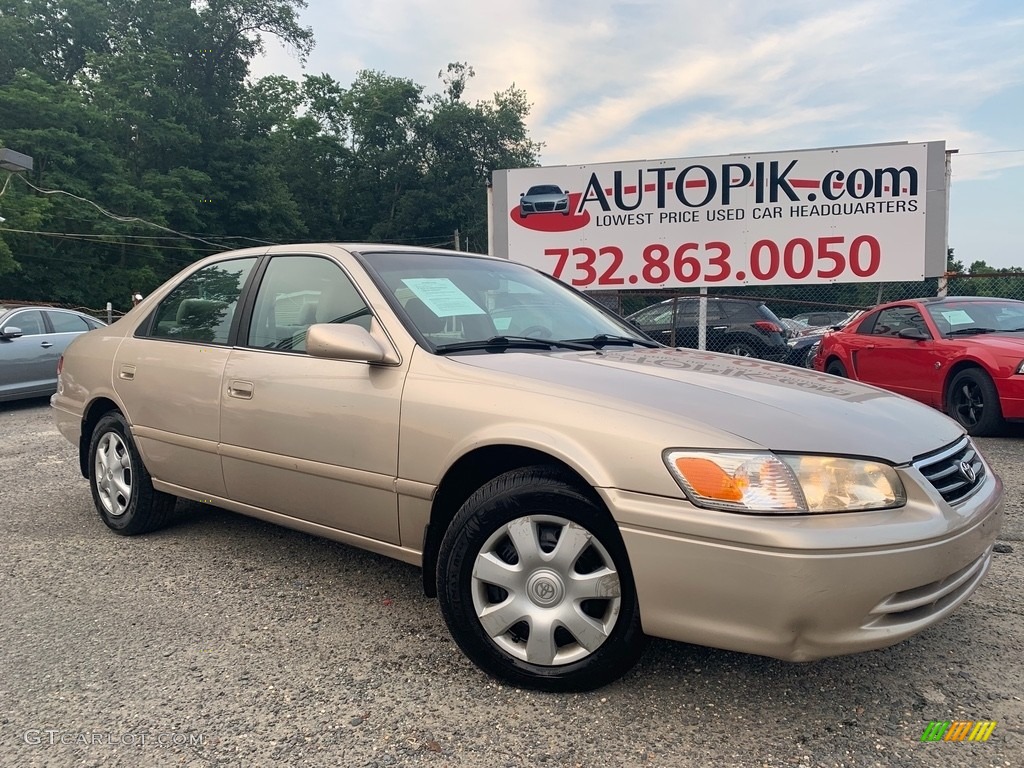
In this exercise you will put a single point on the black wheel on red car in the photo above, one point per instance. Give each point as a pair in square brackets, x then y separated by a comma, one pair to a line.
[535, 585]
[972, 399]
[836, 368]
[122, 489]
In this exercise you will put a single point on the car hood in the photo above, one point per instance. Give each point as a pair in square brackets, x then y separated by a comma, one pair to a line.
[1008, 344]
[774, 406]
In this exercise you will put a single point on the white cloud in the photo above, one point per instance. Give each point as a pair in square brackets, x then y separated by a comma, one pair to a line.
[625, 79]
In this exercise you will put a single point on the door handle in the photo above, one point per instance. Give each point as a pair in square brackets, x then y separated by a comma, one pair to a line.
[46, 345]
[127, 372]
[719, 327]
[241, 389]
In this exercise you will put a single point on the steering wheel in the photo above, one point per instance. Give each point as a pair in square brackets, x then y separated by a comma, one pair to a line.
[538, 331]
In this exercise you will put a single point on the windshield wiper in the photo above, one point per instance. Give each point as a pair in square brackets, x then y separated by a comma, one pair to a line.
[604, 339]
[507, 342]
[970, 331]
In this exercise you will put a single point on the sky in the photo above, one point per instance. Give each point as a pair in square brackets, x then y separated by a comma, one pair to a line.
[622, 80]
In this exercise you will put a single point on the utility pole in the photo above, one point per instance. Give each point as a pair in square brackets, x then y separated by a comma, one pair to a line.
[457, 248]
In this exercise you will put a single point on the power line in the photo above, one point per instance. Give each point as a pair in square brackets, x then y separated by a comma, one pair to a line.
[992, 152]
[114, 216]
[102, 240]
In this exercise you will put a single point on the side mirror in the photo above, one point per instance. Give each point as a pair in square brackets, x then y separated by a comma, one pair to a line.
[343, 342]
[10, 332]
[913, 333]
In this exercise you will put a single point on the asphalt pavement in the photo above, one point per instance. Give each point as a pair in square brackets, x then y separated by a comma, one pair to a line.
[226, 641]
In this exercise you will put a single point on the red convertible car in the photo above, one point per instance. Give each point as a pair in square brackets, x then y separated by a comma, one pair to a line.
[963, 355]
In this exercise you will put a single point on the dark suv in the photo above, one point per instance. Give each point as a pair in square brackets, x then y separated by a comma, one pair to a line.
[736, 326]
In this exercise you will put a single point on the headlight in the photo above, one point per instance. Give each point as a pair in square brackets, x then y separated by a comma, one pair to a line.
[784, 484]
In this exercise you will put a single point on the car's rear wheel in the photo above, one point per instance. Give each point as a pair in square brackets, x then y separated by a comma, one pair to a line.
[535, 585]
[972, 399]
[122, 489]
[836, 368]
[741, 349]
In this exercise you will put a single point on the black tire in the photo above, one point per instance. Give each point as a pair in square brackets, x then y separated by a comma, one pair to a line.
[539, 506]
[122, 489]
[972, 399]
[740, 349]
[836, 368]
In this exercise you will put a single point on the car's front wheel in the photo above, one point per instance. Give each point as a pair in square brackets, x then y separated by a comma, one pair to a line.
[972, 399]
[836, 368]
[122, 489]
[535, 585]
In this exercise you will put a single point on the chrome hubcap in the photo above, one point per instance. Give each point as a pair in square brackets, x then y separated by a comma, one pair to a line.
[545, 590]
[113, 473]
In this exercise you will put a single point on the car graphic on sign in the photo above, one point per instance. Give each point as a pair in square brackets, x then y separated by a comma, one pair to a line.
[544, 198]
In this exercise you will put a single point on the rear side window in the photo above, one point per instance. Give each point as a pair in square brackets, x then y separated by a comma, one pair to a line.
[65, 322]
[741, 311]
[203, 305]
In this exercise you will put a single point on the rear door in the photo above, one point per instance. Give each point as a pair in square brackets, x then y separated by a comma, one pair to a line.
[168, 375]
[66, 327]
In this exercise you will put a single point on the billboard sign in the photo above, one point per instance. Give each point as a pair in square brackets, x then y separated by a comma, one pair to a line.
[845, 214]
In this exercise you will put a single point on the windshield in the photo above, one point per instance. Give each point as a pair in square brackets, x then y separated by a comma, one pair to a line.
[448, 299]
[544, 189]
[970, 317]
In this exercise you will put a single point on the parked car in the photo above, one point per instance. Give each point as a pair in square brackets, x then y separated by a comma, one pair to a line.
[822, 319]
[32, 339]
[804, 347]
[793, 327]
[544, 198]
[567, 488]
[963, 355]
[735, 326]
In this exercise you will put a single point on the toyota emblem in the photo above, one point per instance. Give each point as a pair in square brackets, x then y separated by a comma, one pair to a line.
[968, 471]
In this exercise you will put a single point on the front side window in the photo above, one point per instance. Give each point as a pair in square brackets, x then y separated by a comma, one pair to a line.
[30, 322]
[202, 306]
[295, 293]
[895, 319]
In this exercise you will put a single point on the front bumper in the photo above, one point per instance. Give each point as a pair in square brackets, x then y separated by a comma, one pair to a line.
[1011, 396]
[803, 588]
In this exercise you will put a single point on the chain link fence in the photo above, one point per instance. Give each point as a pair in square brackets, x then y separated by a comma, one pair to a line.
[789, 300]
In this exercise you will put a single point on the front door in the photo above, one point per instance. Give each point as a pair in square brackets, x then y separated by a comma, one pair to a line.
[310, 438]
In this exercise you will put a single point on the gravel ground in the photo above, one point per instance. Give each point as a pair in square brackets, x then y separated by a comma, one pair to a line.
[225, 641]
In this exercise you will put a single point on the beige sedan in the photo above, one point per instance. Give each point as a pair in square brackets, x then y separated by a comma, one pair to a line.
[568, 486]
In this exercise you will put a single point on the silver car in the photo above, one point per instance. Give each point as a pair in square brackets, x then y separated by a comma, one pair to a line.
[32, 339]
[544, 198]
[568, 486]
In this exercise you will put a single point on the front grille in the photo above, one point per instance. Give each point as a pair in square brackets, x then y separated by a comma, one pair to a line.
[913, 605]
[955, 471]
[544, 207]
